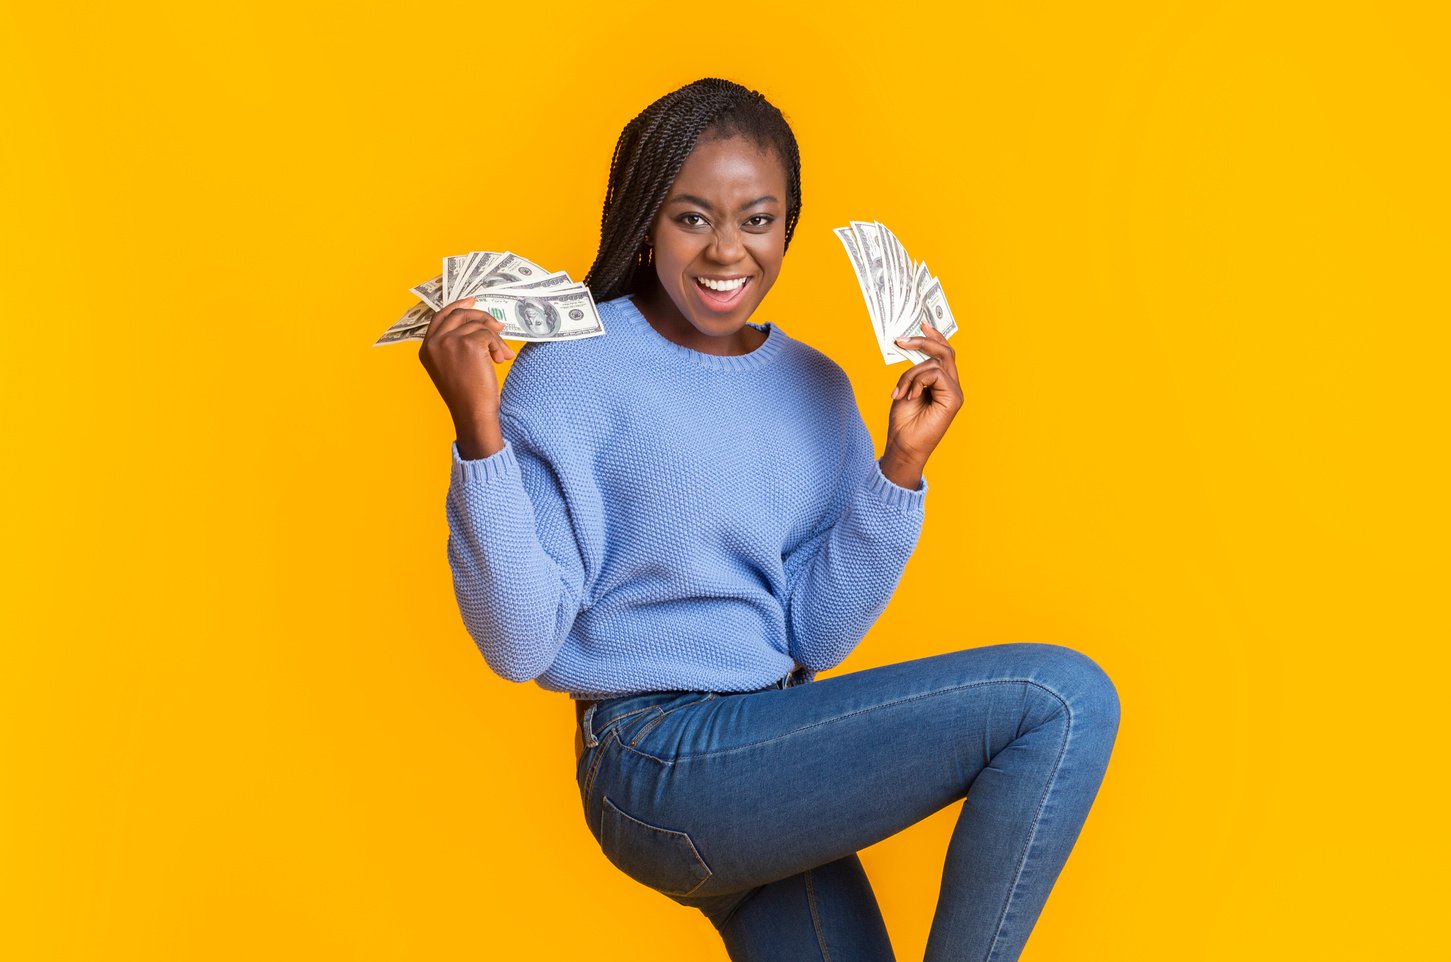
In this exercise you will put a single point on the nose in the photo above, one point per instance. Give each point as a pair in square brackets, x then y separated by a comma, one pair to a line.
[727, 247]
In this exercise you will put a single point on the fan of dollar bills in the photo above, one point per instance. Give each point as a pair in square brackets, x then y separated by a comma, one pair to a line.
[900, 293]
[534, 304]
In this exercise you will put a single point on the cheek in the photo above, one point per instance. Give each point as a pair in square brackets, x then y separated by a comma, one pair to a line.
[769, 254]
[671, 257]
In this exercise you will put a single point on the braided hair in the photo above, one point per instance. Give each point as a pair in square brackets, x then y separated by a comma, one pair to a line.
[648, 156]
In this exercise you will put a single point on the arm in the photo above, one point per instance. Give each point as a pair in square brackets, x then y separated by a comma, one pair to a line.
[840, 581]
[518, 567]
[856, 564]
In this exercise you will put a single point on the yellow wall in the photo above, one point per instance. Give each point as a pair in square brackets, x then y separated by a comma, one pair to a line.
[1198, 253]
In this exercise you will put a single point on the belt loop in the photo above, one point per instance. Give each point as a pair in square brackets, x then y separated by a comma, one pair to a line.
[586, 725]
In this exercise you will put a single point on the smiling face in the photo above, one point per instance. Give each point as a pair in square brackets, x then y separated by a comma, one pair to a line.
[719, 239]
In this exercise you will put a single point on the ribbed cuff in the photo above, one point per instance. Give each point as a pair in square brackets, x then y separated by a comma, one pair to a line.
[499, 466]
[885, 489]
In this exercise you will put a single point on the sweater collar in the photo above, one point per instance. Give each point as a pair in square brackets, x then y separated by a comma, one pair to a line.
[757, 358]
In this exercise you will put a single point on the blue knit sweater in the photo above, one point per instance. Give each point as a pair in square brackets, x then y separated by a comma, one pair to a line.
[662, 519]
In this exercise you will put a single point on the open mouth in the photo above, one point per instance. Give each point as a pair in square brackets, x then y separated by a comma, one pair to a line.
[721, 295]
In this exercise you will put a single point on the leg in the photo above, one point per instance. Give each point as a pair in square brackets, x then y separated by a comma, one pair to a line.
[712, 800]
[827, 913]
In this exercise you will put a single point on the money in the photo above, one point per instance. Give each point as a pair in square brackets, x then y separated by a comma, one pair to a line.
[547, 314]
[411, 325]
[900, 293]
[534, 304]
[430, 292]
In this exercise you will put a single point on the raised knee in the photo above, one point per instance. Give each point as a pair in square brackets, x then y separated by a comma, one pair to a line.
[1076, 678]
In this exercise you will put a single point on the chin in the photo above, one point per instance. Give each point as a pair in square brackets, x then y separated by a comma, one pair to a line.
[720, 326]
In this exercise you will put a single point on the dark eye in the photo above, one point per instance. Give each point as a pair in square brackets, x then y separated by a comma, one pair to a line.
[684, 219]
[764, 220]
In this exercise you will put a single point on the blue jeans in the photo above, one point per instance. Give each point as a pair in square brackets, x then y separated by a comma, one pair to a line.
[751, 806]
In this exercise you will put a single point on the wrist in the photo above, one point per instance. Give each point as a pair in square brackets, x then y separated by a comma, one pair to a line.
[478, 436]
[902, 467]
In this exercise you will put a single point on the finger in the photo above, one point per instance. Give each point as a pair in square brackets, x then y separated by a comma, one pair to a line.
[928, 377]
[461, 302]
[928, 346]
[933, 333]
[451, 315]
[469, 321]
[500, 351]
[932, 347]
[479, 321]
[938, 349]
[488, 330]
[470, 328]
[907, 377]
[946, 393]
[934, 376]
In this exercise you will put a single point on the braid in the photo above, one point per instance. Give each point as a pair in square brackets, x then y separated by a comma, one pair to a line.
[648, 156]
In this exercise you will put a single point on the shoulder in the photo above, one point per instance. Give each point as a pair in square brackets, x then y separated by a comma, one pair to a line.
[815, 370]
[560, 378]
[821, 393]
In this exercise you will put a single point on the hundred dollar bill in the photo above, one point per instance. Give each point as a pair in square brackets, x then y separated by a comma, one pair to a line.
[534, 304]
[900, 293]
[411, 325]
[506, 268]
[890, 274]
[453, 267]
[875, 258]
[430, 292]
[935, 309]
[552, 282]
[932, 303]
[542, 315]
[475, 269]
[859, 267]
[893, 277]
[872, 239]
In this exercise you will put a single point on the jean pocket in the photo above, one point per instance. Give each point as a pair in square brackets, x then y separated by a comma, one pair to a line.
[638, 735]
[663, 859]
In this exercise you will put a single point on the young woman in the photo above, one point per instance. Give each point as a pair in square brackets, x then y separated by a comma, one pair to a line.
[681, 522]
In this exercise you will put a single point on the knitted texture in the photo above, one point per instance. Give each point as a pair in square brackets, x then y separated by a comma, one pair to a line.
[660, 519]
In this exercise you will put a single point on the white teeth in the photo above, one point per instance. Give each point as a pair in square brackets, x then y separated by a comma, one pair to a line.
[721, 285]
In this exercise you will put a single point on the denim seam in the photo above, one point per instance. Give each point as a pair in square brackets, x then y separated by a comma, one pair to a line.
[1037, 817]
[837, 718]
[667, 831]
[653, 723]
[617, 718]
[646, 729]
[816, 918]
[594, 764]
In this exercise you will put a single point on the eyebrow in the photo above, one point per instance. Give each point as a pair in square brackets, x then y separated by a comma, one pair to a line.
[702, 202]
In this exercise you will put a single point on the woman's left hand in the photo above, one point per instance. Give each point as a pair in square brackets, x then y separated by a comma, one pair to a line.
[927, 398]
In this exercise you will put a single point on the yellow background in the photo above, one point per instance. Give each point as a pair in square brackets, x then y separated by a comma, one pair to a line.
[1198, 253]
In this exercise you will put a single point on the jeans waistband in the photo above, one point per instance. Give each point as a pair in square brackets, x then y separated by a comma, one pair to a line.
[596, 716]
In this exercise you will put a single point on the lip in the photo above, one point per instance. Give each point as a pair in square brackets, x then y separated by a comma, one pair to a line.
[716, 305]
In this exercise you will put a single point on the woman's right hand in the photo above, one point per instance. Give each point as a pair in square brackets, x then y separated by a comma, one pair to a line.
[460, 349]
